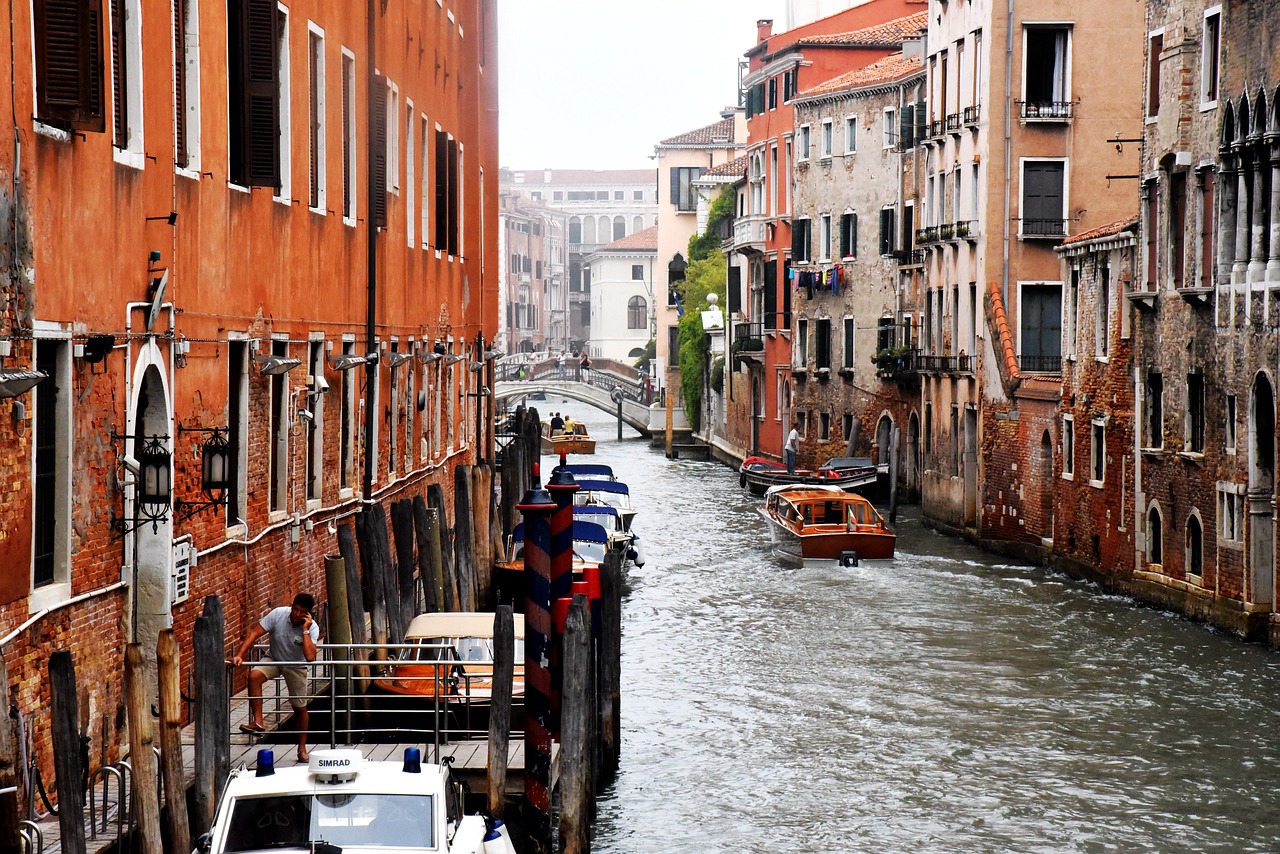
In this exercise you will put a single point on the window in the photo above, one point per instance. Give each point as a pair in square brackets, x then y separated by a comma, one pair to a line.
[186, 84]
[586, 317]
[1177, 225]
[824, 237]
[1195, 547]
[1098, 452]
[1155, 46]
[314, 403]
[393, 138]
[824, 426]
[237, 430]
[410, 176]
[1044, 85]
[349, 137]
[1153, 433]
[619, 228]
[1231, 512]
[887, 128]
[850, 134]
[279, 447]
[1102, 326]
[1229, 429]
[1068, 447]
[800, 239]
[1210, 52]
[802, 342]
[637, 195]
[788, 85]
[126, 77]
[1195, 414]
[803, 150]
[1155, 536]
[618, 195]
[68, 64]
[253, 87]
[315, 118]
[51, 402]
[847, 351]
[284, 111]
[446, 187]
[1071, 313]
[849, 235]
[637, 313]
[1043, 189]
[1040, 326]
[424, 204]
[683, 194]
[885, 331]
[395, 414]
[773, 93]
[822, 343]
[846, 426]
[887, 225]
[828, 137]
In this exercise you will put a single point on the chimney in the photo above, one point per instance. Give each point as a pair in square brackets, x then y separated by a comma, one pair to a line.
[764, 29]
[546, 176]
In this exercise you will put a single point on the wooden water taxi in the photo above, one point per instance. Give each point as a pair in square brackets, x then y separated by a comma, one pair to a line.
[571, 439]
[825, 523]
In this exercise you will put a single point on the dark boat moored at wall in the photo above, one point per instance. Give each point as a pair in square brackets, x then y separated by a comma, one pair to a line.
[758, 474]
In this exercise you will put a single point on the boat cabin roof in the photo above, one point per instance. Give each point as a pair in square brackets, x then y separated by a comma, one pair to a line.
[588, 532]
[604, 486]
[463, 624]
[589, 470]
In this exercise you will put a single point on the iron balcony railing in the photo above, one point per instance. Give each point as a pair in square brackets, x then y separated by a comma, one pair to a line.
[936, 128]
[1042, 227]
[953, 122]
[748, 337]
[972, 114]
[928, 234]
[1054, 111]
[909, 257]
[947, 231]
[1040, 364]
[967, 228]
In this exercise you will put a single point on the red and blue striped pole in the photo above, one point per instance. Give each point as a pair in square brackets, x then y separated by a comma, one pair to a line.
[562, 486]
[537, 507]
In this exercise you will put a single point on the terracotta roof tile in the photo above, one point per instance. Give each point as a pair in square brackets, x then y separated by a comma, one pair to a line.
[1126, 224]
[890, 68]
[646, 239]
[889, 34]
[719, 133]
[735, 168]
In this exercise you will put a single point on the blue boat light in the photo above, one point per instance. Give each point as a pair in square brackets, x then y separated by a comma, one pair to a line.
[412, 760]
[266, 762]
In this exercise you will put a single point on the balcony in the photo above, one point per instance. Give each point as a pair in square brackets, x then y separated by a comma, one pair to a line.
[899, 364]
[749, 233]
[909, 257]
[953, 123]
[1045, 111]
[1039, 364]
[1043, 229]
[936, 128]
[748, 337]
[971, 115]
[967, 228]
[947, 231]
[928, 234]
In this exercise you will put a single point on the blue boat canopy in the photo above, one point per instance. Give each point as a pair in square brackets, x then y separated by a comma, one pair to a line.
[594, 510]
[587, 532]
[589, 470]
[604, 486]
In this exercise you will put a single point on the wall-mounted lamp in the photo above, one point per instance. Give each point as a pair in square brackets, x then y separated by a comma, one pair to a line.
[346, 362]
[275, 365]
[171, 217]
[494, 353]
[454, 359]
[398, 358]
[427, 358]
[215, 470]
[476, 367]
[154, 493]
[14, 383]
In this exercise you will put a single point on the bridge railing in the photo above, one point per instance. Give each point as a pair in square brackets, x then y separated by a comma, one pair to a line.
[606, 374]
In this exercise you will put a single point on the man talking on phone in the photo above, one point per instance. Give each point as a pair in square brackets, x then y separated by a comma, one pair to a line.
[294, 634]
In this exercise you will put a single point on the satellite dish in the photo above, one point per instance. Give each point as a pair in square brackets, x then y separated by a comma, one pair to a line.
[158, 286]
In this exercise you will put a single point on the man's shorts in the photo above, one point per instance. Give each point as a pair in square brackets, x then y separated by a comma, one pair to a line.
[295, 678]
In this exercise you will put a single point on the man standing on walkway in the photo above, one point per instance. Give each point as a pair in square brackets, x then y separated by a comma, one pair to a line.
[294, 635]
[792, 446]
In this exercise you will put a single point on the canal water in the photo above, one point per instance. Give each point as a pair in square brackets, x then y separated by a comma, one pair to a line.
[947, 701]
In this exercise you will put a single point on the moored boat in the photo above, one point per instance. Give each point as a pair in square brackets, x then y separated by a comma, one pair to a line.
[608, 493]
[758, 474]
[571, 439]
[825, 523]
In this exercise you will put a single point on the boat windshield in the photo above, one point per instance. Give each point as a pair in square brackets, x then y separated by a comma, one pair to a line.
[608, 499]
[462, 649]
[591, 552]
[347, 820]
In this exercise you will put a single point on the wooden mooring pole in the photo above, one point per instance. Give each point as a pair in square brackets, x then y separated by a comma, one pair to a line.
[142, 755]
[504, 650]
[169, 666]
[610, 688]
[576, 784]
[66, 753]
[212, 713]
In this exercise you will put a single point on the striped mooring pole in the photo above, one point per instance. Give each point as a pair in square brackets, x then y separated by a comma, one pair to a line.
[562, 486]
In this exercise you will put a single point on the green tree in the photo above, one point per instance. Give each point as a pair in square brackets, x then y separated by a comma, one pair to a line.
[704, 276]
[702, 245]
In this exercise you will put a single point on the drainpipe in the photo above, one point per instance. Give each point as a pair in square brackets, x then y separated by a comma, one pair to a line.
[371, 251]
[1008, 151]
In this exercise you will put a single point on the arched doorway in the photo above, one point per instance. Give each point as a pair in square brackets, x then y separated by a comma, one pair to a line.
[1046, 485]
[757, 412]
[151, 542]
[913, 456]
[884, 439]
[1262, 489]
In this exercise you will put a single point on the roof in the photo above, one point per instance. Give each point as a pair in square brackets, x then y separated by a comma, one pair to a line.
[537, 177]
[735, 168]
[457, 624]
[646, 239]
[887, 70]
[889, 34]
[719, 133]
[1127, 224]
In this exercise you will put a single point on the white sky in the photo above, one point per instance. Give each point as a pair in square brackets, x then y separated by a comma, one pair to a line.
[595, 84]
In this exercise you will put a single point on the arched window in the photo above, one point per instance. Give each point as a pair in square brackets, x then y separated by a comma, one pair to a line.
[589, 230]
[1155, 536]
[619, 227]
[637, 224]
[575, 230]
[636, 313]
[1195, 546]
[606, 226]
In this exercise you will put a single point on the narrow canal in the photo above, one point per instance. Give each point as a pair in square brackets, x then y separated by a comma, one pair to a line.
[947, 701]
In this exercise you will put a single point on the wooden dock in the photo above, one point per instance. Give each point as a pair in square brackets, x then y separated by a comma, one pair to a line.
[469, 763]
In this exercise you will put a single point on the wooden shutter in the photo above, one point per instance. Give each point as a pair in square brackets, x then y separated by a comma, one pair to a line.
[260, 67]
[922, 120]
[1042, 198]
[378, 144]
[313, 116]
[785, 323]
[441, 173]
[454, 230]
[119, 93]
[800, 240]
[68, 53]
[906, 127]
[179, 83]
[770, 295]
[348, 134]
[735, 289]
[675, 185]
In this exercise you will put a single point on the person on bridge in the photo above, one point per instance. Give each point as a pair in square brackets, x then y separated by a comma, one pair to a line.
[560, 366]
[584, 369]
[294, 635]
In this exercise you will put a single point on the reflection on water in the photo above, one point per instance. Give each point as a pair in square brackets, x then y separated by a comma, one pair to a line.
[942, 702]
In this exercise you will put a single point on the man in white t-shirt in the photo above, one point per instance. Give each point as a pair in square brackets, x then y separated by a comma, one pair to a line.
[294, 635]
[792, 446]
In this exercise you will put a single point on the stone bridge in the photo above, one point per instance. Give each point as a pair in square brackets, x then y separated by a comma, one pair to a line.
[598, 394]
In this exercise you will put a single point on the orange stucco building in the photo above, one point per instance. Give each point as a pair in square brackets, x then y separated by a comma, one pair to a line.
[195, 196]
